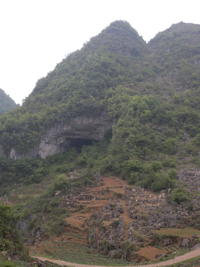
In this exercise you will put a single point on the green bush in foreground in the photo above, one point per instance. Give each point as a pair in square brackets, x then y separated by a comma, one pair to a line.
[9, 239]
[179, 195]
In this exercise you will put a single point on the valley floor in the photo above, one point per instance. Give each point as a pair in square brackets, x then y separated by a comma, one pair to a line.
[113, 199]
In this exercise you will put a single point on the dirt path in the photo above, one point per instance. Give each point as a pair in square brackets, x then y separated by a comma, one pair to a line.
[187, 256]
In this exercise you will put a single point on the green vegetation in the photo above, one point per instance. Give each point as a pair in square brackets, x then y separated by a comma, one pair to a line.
[79, 254]
[182, 232]
[6, 103]
[143, 97]
[4, 263]
[10, 242]
[192, 263]
[154, 124]
[23, 171]
[179, 195]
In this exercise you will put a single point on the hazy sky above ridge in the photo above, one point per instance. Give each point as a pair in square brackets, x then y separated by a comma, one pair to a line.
[38, 34]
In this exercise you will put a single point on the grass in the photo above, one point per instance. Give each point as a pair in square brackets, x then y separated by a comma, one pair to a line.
[23, 193]
[195, 262]
[78, 253]
[26, 264]
[178, 232]
[6, 263]
[96, 259]
[178, 252]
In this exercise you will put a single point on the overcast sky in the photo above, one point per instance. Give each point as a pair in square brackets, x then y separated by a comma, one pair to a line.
[38, 34]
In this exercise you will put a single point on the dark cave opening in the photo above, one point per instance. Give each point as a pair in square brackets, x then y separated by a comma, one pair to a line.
[79, 143]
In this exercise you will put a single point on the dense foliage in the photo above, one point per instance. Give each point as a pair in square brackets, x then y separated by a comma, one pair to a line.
[6, 103]
[9, 239]
[21, 171]
[149, 92]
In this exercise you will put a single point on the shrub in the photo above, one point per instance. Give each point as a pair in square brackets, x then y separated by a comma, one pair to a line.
[134, 177]
[156, 165]
[172, 174]
[179, 195]
[162, 181]
[170, 146]
[9, 239]
[169, 163]
[196, 140]
[127, 249]
[60, 184]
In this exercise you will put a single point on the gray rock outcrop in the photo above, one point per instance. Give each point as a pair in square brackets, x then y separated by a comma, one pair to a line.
[76, 132]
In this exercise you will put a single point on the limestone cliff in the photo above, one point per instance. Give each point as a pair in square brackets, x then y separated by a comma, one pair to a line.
[76, 132]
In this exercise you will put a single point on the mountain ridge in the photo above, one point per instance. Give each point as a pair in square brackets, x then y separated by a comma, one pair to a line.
[6, 102]
[105, 151]
[126, 39]
[81, 75]
[85, 77]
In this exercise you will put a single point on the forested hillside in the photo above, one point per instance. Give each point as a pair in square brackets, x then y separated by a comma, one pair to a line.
[6, 103]
[117, 107]
[141, 99]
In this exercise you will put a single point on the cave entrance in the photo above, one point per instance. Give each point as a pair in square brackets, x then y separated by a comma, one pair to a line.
[79, 143]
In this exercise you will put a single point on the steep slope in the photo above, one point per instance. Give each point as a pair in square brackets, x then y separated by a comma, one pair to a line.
[119, 91]
[97, 66]
[70, 102]
[117, 107]
[119, 38]
[6, 103]
[178, 36]
[176, 53]
[117, 87]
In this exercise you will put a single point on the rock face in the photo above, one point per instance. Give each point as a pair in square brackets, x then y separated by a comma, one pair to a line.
[77, 132]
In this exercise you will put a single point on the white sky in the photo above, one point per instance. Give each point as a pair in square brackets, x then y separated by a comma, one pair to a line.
[37, 34]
